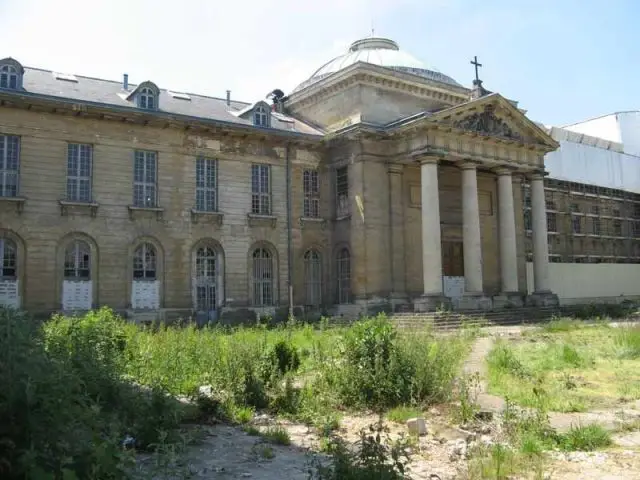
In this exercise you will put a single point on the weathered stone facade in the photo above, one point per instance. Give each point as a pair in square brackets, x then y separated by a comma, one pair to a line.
[378, 135]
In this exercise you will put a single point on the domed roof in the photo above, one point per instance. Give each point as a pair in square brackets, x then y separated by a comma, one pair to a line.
[378, 51]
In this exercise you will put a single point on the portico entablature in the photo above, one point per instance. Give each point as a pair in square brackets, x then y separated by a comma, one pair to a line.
[489, 131]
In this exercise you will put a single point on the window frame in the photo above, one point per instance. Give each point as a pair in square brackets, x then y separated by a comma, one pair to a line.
[261, 201]
[206, 194]
[144, 95]
[144, 155]
[77, 197]
[311, 193]
[79, 269]
[313, 277]
[261, 116]
[206, 265]
[5, 171]
[10, 259]
[343, 276]
[343, 208]
[262, 262]
[146, 254]
[7, 72]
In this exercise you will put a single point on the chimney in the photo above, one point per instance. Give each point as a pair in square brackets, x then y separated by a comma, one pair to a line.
[125, 81]
[228, 98]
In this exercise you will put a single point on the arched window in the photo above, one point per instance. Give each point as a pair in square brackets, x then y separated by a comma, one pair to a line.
[147, 99]
[206, 279]
[77, 261]
[262, 277]
[9, 77]
[343, 270]
[313, 277]
[261, 116]
[145, 262]
[9, 258]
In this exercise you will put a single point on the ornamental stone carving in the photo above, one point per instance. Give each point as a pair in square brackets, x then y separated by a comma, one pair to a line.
[487, 123]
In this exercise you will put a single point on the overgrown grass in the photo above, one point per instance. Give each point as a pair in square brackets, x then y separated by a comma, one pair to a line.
[403, 413]
[78, 390]
[575, 368]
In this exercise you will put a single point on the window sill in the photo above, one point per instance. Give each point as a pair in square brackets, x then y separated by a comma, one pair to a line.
[256, 220]
[213, 217]
[346, 216]
[70, 205]
[17, 201]
[133, 211]
[313, 222]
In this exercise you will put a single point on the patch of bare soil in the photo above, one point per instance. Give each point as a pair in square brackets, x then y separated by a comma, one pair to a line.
[606, 465]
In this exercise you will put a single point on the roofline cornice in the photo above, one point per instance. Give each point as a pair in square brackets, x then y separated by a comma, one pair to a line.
[146, 117]
[361, 72]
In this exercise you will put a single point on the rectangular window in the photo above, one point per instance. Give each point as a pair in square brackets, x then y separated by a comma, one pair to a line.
[342, 191]
[79, 168]
[577, 224]
[595, 226]
[261, 189]
[636, 229]
[9, 165]
[575, 208]
[145, 179]
[311, 189]
[206, 184]
[595, 209]
[552, 222]
[617, 228]
[636, 211]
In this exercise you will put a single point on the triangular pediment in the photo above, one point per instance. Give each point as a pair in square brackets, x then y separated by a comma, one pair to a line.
[494, 116]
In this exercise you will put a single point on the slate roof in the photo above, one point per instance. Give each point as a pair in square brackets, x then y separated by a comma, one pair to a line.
[111, 93]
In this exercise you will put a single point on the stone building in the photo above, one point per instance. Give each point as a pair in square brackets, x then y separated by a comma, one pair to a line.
[376, 184]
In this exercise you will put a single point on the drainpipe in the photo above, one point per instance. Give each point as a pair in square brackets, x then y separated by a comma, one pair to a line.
[289, 233]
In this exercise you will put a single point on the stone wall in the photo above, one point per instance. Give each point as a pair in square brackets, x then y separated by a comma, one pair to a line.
[113, 233]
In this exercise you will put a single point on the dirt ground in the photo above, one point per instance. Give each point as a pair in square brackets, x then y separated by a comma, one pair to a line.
[227, 452]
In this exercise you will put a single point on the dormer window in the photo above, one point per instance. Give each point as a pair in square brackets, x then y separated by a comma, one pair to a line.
[147, 99]
[145, 96]
[261, 116]
[10, 74]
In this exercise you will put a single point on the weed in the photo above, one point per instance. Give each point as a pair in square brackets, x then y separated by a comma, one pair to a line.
[373, 457]
[403, 413]
[467, 393]
[628, 340]
[251, 430]
[277, 435]
[585, 438]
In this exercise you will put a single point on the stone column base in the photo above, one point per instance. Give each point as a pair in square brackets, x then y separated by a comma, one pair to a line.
[474, 301]
[508, 300]
[542, 299]
[431, 303]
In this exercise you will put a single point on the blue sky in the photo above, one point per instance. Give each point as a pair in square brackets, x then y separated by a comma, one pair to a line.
[564, 61]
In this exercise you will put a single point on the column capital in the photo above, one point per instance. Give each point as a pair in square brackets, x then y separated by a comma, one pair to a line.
[504, 171]
[467, 164]
[427, 159]
[537, 175]
[395, 168]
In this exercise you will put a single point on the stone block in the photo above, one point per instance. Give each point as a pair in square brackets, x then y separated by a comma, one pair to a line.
[543, 299]
[472, 301]
[431, 303]
[508, 300]
[417, 426]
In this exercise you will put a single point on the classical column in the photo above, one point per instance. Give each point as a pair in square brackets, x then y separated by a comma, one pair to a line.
[431, 241]
[539, 225]
[471, 240]
[396, 231]
[507, 231]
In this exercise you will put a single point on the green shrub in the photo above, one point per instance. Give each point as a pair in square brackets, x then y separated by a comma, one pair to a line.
[280, 358]
[372, 458]
[585, 439]
[65, 407]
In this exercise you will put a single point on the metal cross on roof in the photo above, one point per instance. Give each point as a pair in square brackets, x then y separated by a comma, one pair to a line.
[475, 63]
